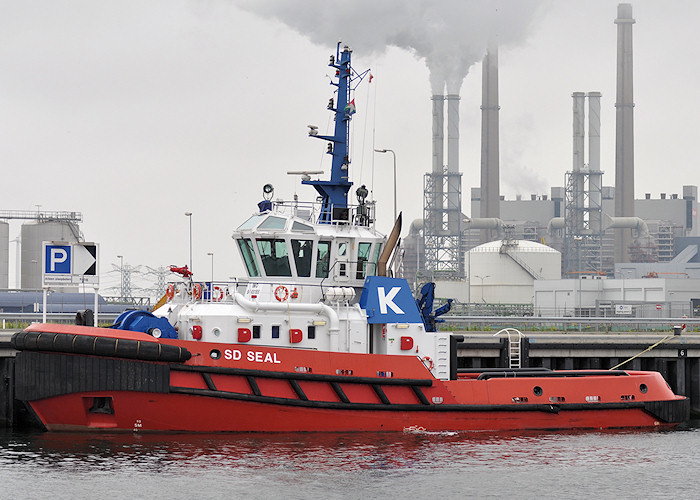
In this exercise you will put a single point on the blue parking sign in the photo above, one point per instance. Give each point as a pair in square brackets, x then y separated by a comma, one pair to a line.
[57, 259]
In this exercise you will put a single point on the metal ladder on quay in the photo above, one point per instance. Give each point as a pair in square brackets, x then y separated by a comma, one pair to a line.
[514, 346]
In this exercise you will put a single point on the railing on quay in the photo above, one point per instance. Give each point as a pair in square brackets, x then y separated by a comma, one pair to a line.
[568, 324]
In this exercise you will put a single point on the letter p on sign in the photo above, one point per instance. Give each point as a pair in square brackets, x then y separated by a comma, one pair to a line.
[58, 259]
[58, 256]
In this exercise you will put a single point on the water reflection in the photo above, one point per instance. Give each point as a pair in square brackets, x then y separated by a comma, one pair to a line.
[332, 465]
[351, 451]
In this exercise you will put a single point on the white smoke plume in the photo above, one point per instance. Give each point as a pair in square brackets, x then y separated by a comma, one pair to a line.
[450, 35]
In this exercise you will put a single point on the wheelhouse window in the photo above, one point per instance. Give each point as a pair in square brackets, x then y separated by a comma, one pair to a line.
[273, 222]
[250, 223]
[298, 226]
[375, 259]
[363, 250]
[302, 250]
[323, 258]
[273, 253]
[246, 247]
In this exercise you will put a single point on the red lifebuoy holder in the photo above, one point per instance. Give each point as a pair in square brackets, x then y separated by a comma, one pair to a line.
[217, 295]
[197, 291]
[281, 293]
[170, 292]
[428, 362]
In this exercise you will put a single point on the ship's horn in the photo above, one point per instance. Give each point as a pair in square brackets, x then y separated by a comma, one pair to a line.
[389, 247]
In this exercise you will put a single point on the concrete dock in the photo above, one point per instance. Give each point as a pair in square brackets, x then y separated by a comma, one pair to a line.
[8, 408]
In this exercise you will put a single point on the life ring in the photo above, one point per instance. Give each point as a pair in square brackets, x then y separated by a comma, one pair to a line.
[217, 295]
[197, 291]
[428, 362]
[170, 292]
[281, 293]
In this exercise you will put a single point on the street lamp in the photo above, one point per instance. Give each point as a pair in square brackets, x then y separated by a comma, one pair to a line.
[121, 275]
[211, 254]
[482, 278]
[189, 215]
[394, 155]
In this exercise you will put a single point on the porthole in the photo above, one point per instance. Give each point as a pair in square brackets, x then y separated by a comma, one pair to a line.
[643, 388]
[216, 331]
[537, 390]
[215, 354]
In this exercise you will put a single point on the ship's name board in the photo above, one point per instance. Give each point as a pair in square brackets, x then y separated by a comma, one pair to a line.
[252, 356]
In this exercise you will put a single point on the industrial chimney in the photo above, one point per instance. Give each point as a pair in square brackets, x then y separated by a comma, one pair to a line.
[438, 132]
[490, 188]
[438, 155]
[453, 179]
[595, 175]
[579, 100]
[624, 133]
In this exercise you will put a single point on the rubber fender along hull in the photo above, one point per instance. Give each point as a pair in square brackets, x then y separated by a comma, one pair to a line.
[99, 346]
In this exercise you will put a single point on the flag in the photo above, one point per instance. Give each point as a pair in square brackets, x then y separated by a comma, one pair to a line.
[350, 107]
[371, 76]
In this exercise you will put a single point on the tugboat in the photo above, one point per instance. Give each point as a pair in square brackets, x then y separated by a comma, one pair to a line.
[319, 336]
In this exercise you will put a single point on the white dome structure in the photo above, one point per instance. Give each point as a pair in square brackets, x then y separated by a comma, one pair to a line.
[504, 271]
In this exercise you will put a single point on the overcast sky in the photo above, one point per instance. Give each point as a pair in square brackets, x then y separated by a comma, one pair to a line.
[135, 112]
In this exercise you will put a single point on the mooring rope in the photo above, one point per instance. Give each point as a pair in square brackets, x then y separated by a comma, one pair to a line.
[667, 337]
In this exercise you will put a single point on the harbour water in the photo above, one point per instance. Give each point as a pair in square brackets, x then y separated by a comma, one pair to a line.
[611, 464]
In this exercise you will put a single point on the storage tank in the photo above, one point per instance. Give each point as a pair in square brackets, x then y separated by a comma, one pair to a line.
[4, 255]
[504, 271]
[33, 235]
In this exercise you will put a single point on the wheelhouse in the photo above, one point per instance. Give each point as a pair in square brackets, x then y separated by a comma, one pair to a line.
[274, 245]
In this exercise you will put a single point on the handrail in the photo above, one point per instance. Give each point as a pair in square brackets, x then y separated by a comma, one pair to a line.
[555, 324]
[32, 317]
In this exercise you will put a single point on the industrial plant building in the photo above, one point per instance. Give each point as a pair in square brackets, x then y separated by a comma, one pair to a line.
[37, 227]
[565, 251]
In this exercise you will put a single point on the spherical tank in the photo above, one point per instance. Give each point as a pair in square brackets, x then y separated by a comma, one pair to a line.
[503, 272]
[4, 254]
[33, 235]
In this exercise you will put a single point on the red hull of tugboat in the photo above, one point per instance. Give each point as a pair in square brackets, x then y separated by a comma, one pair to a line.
[237, 388]
[144, 412]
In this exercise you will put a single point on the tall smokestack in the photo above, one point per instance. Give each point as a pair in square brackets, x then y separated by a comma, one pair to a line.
[490, 189]
[624, 133]
[453, 189]
[579, 101]
[595, 179]
[438, 155]
[438, 132]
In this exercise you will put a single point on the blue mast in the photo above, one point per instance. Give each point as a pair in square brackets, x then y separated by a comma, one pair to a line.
[334, 193]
